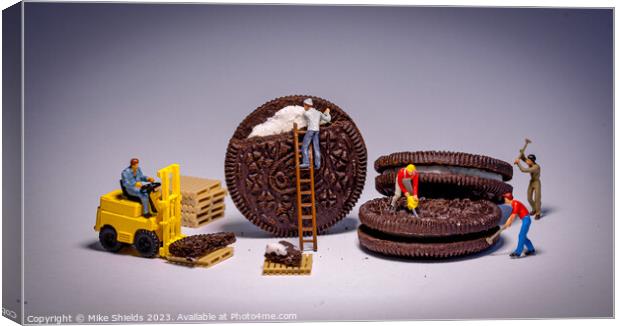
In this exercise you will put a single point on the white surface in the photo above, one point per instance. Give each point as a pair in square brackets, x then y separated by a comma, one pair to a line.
[346, 282]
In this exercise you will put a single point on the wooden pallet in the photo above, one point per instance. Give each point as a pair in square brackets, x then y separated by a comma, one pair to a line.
[190, 198]
[211, 206]
[199, 186]
[270, 268]
[208, 260]
[202, 201]
[194, 222]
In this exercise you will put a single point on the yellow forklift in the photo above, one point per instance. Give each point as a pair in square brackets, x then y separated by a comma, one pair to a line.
[120, 221]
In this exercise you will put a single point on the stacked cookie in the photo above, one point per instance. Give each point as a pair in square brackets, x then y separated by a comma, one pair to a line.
[458, 210]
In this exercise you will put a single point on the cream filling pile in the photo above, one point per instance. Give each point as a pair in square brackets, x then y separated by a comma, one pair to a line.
[442, 169]
[281, 122]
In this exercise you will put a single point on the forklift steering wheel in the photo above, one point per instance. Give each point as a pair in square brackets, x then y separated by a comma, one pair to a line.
[150, 187]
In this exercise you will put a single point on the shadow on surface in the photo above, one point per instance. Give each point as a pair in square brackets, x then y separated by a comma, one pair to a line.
[346, 225]
[546, 211]
[488, 252]
[507, 253]
[94, 245]
[245, 228]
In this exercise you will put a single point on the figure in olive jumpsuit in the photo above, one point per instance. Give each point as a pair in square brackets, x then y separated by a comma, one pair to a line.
[533, 189]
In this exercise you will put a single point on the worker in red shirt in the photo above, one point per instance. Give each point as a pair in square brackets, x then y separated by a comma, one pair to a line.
[518, 209]
[406, 183]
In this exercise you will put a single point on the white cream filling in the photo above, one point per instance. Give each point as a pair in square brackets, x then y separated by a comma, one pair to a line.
[281, 122]
[459, 170]
[276, 248]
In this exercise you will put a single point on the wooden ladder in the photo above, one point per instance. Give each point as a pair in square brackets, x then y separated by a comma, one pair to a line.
[306, 205]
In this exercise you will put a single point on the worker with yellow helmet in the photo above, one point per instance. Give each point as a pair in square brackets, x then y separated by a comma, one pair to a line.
[407, 183]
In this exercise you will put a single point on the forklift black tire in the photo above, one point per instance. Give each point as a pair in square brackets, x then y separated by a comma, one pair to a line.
[108, 239]
[146, 243]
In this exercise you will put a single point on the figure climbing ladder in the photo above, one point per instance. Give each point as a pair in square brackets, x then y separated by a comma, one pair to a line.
[306, 205]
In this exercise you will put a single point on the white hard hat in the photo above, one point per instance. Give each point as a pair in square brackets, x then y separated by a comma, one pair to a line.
[308, 101]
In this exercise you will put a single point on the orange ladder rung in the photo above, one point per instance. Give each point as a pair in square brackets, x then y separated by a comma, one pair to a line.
[301, 205]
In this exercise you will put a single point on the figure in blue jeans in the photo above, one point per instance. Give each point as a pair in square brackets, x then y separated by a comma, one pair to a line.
[314, 118]
[518, 209]
[132, 179]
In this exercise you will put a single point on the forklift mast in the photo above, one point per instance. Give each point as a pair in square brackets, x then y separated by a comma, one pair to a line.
[169, 217]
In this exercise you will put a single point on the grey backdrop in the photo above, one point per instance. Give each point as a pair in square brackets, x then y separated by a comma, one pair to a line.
[170, 83]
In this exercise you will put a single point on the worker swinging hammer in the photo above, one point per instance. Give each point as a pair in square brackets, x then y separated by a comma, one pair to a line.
[407, 182]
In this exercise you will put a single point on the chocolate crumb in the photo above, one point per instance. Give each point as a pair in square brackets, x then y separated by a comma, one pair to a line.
[195, 246]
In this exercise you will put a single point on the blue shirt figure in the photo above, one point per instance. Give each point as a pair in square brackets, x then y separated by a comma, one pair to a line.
[129, 179]
[314, 119]
[132, 177]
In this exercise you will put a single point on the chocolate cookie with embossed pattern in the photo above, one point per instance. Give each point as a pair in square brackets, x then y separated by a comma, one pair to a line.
[444, 227]
[260, 170]
[447, 174]
[457, 210]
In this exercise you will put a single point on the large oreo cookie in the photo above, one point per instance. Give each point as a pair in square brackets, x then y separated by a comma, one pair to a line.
[456, 212]
[444, 228]
[260, 171]
[436, 217]
[442, 247]
[447, 174]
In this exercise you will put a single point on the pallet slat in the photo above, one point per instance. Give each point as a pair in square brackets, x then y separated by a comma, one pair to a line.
[202, 201]
[206, 261]
[271, 268]
[192, 222]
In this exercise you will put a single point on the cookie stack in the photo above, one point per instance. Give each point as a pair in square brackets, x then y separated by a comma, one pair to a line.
[458, 210]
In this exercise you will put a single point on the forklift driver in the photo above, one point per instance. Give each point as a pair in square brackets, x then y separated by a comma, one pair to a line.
[132, 179]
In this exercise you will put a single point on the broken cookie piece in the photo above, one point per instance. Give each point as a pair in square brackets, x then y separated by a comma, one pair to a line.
[283, 252]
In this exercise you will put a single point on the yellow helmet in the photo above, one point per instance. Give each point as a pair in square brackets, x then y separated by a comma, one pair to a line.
[410, 168]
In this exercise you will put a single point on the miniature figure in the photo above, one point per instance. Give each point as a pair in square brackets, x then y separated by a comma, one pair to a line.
[407, 182]
[533, 189]
[314, 119]
[132, 178]
[120, 222]
[518, 209]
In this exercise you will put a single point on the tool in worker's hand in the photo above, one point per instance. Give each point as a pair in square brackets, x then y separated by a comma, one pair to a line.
[412, 204]
[496, 234]
[522, 151]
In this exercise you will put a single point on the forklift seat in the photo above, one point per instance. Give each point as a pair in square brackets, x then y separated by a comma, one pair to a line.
[127, 195]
